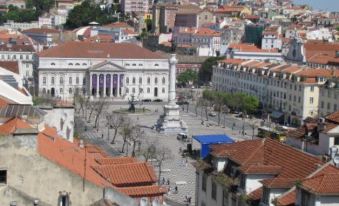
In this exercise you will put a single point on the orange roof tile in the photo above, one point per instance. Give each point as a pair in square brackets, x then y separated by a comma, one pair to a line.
[100, 169]
[287, 199]
[333, 117]
[4, 102]
[280, 183]
[323, 184]
[12, 66]
[244, 47]
[143, 191]
[232, 61]
[206, 32]
[127, 174]
[41, 30]
[256, 194]
[75, 49]
[260, 169]
[315, 73]
[11, 125]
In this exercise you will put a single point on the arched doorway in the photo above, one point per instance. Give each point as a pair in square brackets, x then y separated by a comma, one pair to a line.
[156, 92]
[52, 92]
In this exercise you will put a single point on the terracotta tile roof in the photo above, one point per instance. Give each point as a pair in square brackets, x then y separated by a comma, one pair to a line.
[256, 194]
[75, 49]
[17, 47]
[260, 169]
[315, 73]
[280, 183]
[11, 125]
[188, 9]
[116, 160]
[295, 163]
[4, 102]
[207, 32]
[232, 61]
[324, 184]
[244, 47]
[12, 66]
[334, 117]
[143, 191]
[287, 199]
[109, 172]
[127, 174]
[229, 9]
[41, 31]
[313, 48]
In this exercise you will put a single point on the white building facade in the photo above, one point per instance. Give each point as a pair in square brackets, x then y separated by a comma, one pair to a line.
[108, 70]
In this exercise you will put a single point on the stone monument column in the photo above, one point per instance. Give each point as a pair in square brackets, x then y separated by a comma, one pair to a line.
[170, 121]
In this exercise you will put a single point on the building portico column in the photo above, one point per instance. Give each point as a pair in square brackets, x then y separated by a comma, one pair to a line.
[104, 88]
[118, 86]
[97, 90]
[90, 85]
[111, 86]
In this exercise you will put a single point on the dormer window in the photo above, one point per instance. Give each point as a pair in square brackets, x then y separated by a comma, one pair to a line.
[84, 64]
[126, 64]
[156, 65]
[134, 65]
[77, 64]
[52, 64]
[70, 64]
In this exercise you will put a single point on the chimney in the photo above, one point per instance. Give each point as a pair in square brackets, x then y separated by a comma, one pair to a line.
[35, 202]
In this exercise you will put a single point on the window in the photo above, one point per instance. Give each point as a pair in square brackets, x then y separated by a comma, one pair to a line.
[265, 195]
[52, 80]
[163, 90]
[148, 80]
[328, 106]
[322, 104]
[70, 64]
[127, 90]
[43, 80]
[61, 80]
[140, 90]
[204, 182]
[335, 107]
[311, 100]
[133, 80]
[20, 56]
[70, 91]
[70, 80]
[148, 90]
[155, 80]
[156, 65]
[214, 191]
[134, 65]
[305, 198]
[77, 64]
[3, 176]
[336, 141]
[140, 80]
[224, 197]
[77, 80]
[127, 80]
[312, 88]
[84, 64]
[163, 80]
[52, 64]
[63, 200]
[84, 81]
[61, 91]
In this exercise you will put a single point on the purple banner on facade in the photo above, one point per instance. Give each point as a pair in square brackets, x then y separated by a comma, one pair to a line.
[115, 80]
[121, 80]
[94, 81]
[108, 81]
[101, 80]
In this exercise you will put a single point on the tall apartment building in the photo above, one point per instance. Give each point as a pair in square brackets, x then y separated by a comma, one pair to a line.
[129, 6]
[329, 96]
[289, 90]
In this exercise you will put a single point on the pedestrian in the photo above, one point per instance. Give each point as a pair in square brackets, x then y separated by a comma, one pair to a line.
[102, 135]
[186, 162]
[176, 189]
[168, 181]
[163, 180]
[180, 150]
[189, 200]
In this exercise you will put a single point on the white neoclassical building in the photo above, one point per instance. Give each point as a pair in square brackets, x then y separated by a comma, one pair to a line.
[103, 70]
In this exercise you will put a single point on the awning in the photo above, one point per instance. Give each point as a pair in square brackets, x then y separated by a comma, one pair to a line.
[207, 140]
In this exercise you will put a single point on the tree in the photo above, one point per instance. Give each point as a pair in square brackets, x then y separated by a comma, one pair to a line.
[205, 73]
[87, 12]
[148, 150]
[162, 154]
[126, 132]
[98, 111]
[115, 121]
[187, 76]
[136, 138]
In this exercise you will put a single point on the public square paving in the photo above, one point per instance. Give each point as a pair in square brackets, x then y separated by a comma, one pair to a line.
[175, 169]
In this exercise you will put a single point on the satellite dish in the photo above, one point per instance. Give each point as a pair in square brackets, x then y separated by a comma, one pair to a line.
[336, 160]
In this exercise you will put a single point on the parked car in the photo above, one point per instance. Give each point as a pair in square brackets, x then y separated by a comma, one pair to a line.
[146, 100]
[157, 100]
[212, 114]
[241, 115]
[182, 137]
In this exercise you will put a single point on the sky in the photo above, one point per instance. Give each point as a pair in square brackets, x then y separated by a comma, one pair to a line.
[326, 5]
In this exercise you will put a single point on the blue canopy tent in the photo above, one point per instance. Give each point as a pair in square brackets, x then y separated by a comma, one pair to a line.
[207, 140]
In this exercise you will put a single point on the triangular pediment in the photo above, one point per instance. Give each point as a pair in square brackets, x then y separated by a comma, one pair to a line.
[106, 66]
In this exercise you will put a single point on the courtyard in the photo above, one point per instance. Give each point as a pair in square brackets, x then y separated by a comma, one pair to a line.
[177, 171]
